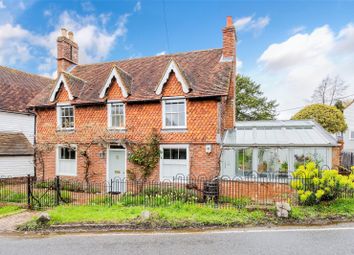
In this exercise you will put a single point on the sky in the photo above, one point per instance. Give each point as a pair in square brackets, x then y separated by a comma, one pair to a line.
[288, 47]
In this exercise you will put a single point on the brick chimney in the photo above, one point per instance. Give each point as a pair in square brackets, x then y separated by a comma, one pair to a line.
[67, 50]
[229, 41]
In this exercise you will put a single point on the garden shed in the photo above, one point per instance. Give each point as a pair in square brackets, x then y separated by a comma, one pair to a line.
[274, 149]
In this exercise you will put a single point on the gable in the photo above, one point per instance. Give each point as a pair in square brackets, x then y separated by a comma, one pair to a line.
[62, 95]
[114, 92]
[172, 87]
[116, 75]
[61, 83]
[173, 68]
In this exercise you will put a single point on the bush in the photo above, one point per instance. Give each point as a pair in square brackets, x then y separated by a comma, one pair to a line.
[314, 186]
[329, 117]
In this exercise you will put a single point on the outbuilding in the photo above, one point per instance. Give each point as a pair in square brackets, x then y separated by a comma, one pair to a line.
[274, 149]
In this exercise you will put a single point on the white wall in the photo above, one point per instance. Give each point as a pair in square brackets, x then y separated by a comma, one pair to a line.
[15, 166]
[13, 122]
[349, 117]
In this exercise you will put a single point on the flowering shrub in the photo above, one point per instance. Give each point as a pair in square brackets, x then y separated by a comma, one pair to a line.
[314, 185]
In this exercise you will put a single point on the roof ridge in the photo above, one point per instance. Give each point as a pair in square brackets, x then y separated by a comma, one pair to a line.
[27, 73]
[165, 55]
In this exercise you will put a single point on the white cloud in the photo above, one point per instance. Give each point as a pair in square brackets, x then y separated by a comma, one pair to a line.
[290, 70]
[161, 53]
[87, 6]
[2, 5]
[47, 13]
[137, 6]
[298, 29]
[239, 63]
[251, 23]
[13, 44]
[22, 5]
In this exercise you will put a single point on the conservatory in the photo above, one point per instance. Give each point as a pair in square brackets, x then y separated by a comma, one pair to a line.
[274, 149]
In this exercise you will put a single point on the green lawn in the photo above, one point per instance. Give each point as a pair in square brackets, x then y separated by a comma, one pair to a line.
[174, 215]
[338, 208]
[192, 215]
[7, 210]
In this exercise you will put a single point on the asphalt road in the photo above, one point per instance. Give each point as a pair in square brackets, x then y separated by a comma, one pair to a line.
[284, 241]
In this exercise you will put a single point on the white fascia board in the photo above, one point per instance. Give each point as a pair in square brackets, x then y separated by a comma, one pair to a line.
[60, 81]
[173, 67]
[116, 75]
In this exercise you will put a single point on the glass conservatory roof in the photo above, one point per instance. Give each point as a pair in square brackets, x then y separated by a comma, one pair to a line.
[278, 133]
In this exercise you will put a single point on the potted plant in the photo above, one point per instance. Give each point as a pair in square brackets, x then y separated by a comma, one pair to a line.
[283, 171]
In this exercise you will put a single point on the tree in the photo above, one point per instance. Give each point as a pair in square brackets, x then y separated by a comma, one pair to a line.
[250, 102]
[329, 91]
[329, 117]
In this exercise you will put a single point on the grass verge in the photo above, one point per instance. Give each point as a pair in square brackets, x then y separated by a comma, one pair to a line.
[9, 210]
[182, 215]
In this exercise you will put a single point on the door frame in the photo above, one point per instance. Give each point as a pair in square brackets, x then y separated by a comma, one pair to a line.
[107, 161]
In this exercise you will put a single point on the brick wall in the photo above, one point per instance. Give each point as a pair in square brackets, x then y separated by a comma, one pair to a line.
[141, 119]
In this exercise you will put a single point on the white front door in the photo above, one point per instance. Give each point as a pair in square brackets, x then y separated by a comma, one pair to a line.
[116, 169]
[174, 161]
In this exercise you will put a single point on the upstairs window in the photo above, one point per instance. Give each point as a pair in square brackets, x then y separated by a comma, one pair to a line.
[66, 160]
[116, 115]
[66, 117]
[351, 134]
[174, 113]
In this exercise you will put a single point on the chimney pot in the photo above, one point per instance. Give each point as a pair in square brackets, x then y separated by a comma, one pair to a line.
[64, 32]
[229, 22]
[71, 36]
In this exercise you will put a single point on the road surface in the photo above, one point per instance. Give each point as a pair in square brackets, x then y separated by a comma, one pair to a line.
[280, 241]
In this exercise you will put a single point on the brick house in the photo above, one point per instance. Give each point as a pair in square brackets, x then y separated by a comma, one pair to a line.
[92, 111]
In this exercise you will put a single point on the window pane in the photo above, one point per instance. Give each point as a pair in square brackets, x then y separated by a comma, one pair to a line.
[174, 153]
[72, 154]
[182, 153]
[168, 120]
[181, 119]
[167, 107]
[174, 119]
[166, 153]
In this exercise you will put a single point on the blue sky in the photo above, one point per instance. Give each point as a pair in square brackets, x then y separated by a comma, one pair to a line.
[287, 46]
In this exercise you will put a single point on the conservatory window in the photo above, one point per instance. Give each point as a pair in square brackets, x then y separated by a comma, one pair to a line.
[244, 162]
[273, 162]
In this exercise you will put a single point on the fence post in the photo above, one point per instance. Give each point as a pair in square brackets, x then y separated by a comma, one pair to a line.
[57, 190]
[29, 191]
[111, 192]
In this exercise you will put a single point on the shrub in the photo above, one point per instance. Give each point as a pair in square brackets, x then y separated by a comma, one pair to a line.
[329, 117]
[314, 185]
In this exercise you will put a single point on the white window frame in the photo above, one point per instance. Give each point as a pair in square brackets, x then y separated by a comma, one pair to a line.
[350, 134]
[174, 146]
[59, 116]
[57, 170]
[173, 100]
[109, 115]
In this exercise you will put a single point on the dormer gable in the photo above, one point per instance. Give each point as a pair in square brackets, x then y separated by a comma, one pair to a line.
[61, 82]
[173, 67]
[123, 80]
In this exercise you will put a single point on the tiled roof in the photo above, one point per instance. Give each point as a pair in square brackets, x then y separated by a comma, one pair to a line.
[18, 88]
[14, 144]
[206, 75]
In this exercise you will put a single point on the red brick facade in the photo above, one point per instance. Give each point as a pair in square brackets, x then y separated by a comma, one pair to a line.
[141, 118]
[209, 108]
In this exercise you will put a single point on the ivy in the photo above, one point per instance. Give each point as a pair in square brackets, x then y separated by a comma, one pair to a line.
[145, 157]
